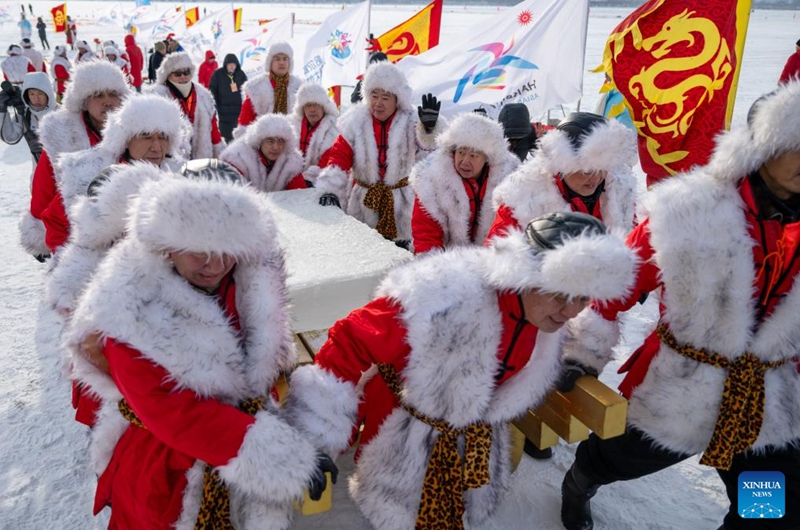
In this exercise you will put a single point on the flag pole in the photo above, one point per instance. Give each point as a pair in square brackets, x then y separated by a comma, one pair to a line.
[369, 28]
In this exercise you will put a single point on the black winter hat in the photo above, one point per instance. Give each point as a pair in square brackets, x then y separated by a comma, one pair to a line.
[549, 231]
[516, 120]
[578, 125]
[210, 168]
[797, 43]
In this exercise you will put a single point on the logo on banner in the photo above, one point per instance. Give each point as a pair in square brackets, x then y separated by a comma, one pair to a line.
[762, 495]
[489, 73]
[252, 51]
[216, 29]
[339, 44]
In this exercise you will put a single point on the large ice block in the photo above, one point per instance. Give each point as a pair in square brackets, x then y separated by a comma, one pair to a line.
[334, 261]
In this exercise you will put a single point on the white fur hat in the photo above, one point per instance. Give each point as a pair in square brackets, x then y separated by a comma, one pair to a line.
[599, 266]
[82, 44]
[271, 126]
[14, 49]
[110, 50]
[274, 49]
[172, 62]
[313, 93]
[93, 77]
[60, 50]
[203, 215]
[27, 43]
[608, 146]
[144, 114]
[388, 77]
[476, 132]
[773, 128]
[100, 219]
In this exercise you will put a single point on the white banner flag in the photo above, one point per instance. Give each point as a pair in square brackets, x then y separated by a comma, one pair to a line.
[170, 21]
[531, 53]
[250, 46]
[335, 55]
[208, 33]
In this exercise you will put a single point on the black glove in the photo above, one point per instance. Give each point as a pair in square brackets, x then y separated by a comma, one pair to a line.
[329, 199]
[318, 481]
[571, 372]
[309, 184]
[41, 258]
[429, 112]
[403, 243]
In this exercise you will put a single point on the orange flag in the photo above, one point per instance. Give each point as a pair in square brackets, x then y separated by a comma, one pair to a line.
[192, 16]
[414, 36]
[676, 63]
[263, 21]
[60, 18]
[237, 19]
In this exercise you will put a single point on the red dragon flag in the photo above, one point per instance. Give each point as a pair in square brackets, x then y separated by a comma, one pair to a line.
[60, 18]
[192, 16]
[676, 63]
[416, 35]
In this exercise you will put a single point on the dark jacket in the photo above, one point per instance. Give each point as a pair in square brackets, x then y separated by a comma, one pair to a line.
[229, 103]
[42, 28]
[154, 62]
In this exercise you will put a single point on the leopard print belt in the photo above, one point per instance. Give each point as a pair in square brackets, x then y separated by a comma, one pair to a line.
[741, 412]
[447, 477]
[380, 198]
[215, 507]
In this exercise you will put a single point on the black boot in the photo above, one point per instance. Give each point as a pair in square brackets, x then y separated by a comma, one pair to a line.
[534, 452]
[576, 509]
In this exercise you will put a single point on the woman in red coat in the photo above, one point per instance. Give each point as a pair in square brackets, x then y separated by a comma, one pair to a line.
[207, 69]
[136, 60]
[192, 307]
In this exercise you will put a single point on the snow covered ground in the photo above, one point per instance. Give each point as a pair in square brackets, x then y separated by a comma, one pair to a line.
[44, 477]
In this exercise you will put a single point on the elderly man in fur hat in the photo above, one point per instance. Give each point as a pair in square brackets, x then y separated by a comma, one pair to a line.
[584, 165]
[97, 88]
[381, 139]
[274, 91]
[456, 345]
[719, 375]
[189, 435]
[267, 155]
[314, 121]
[454, 184]
[174, 81]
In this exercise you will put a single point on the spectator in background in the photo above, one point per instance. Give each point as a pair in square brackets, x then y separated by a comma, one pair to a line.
[60, 68]
[34, 56]
[792, 67]
[207, 69]
[41, 27]
[21, 117]
[226, 87]
[16, 66]
[136, 62]
[113, 56]
[72, 32]
[173, 45]
[85, 52]
[159, 51]
[25, 28]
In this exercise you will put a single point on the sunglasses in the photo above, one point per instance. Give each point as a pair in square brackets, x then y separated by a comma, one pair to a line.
[181, 73]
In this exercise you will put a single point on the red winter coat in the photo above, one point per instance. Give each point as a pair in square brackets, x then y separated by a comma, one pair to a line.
[426, 232]
[136, 60]
[206, 69]
[375, 334]
[46, 202]
[146, 477]
[791, 69]
[768, 287]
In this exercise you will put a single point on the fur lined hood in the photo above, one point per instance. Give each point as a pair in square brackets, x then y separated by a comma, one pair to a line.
[609, 146]
[313, 93]
[170, 63]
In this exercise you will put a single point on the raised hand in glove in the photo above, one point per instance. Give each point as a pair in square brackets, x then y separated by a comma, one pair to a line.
[329, 199]
[429, 111]
[571, 372]
[318, 481]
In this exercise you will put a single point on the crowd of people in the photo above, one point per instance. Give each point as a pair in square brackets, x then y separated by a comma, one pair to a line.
[165, 267]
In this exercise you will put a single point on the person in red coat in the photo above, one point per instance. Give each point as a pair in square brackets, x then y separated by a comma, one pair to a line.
[456, 345]
[455, 183]
[267, 155]
[207, 69]
[60, 69]
[791, 69]
[584, 165]
[272, 91]
[136, 60]
[314, 120]
[97, 88]
[190, 434]
[719, 374]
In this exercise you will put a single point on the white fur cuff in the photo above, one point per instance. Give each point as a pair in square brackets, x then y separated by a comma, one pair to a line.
[31, 235]
[427, 140]
[591, 339]
[333, 179]
[274, 462]
[322, 407]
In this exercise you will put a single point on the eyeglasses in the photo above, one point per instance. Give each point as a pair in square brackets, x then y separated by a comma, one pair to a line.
[181, 73]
